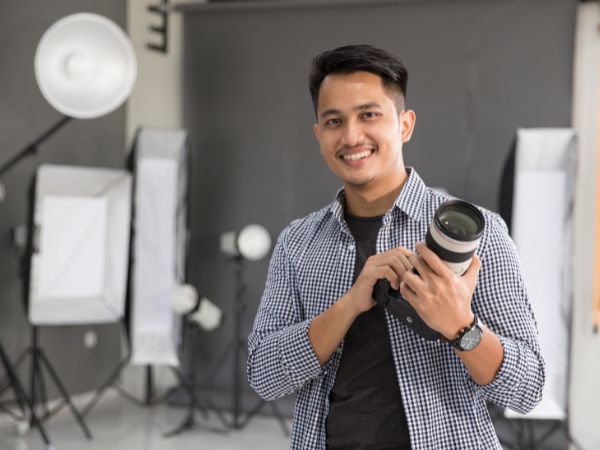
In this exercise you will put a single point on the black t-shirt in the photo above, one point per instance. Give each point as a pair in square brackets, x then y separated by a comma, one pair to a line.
[366, 410]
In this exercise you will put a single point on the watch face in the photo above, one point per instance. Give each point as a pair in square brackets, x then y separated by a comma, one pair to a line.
[470, 339]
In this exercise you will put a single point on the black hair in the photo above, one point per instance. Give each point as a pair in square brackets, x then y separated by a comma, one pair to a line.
[354, 58]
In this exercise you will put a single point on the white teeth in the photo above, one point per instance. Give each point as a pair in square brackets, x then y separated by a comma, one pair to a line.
[357, 156]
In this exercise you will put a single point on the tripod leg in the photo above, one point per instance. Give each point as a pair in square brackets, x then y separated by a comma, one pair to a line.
[66, 396]
[531, 434]
[188, 421]
[16, 365]
[22, 397]
[254, 411]
[110, 380]
[280, 418]
[276, 412]
[548, 433]
[41, 386]
[217, 411]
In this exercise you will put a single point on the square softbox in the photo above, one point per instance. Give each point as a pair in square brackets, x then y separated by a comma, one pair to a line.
[80, 245]
[160, 160]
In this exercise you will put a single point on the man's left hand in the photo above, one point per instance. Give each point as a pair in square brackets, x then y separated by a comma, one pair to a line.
[440, 297]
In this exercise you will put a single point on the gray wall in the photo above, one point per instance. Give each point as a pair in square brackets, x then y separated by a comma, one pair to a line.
[477, 71]
[24, 114]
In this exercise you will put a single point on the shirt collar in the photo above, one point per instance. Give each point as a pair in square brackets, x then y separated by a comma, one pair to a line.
[410, 200]
[411, 197]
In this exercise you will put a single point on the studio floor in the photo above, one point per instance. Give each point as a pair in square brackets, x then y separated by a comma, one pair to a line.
[117, 424]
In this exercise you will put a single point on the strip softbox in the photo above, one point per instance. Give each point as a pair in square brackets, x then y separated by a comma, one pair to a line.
[160, 233]
[542, 212]
[80, 245]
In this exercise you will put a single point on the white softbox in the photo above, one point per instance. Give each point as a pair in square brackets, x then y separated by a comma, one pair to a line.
[160, 236]
[544, 182]
[80, 245]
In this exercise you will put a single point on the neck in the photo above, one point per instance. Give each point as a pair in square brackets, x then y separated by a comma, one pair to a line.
[371, 201]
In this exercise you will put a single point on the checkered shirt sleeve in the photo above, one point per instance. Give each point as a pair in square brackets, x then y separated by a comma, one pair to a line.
[501, 300]
[281, 358]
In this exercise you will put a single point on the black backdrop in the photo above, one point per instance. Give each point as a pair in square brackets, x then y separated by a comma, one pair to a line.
[478, 70]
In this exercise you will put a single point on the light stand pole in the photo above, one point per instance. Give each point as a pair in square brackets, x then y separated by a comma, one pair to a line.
[238, 311]
[31, 149]
[13, 380]
[238, 345]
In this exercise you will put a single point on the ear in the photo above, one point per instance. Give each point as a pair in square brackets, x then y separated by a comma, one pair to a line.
[316, 130]
[407, 120]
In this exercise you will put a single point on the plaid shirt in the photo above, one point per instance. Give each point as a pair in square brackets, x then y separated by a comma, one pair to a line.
[312, 266]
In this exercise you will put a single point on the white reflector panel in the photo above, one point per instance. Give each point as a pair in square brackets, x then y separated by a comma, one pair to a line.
[542, 231]
[79, 266]
[159, 245]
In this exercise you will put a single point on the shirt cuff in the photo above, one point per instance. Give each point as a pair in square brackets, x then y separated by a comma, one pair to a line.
[510, 374]
[298, 357]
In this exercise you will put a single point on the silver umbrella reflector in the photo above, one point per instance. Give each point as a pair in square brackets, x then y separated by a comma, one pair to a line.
[85, 66]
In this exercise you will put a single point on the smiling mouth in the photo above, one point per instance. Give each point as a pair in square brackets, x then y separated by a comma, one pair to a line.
[357, 156]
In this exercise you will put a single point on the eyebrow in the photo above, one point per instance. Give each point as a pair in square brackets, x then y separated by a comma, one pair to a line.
[333, 111]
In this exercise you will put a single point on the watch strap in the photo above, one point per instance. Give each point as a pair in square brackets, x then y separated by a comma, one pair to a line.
[456, 341]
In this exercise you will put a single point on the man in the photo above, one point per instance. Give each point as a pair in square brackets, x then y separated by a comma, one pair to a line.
[364, 380]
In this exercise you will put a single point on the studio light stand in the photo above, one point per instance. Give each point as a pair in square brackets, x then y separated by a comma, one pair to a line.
[37, 386]
[252, 243]
[198, 400]
[23, 402]
[85, 68]
[235, 348]
[27, 404]
[239, 346]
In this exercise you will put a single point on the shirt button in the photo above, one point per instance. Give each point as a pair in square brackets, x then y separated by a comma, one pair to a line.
[350, 247]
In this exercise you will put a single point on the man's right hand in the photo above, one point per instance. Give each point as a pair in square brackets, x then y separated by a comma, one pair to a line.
[329, 328]
[390, 265]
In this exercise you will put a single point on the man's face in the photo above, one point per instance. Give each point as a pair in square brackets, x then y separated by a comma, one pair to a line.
[360, 131]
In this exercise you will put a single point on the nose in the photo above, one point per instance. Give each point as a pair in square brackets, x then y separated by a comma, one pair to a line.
[351, 134]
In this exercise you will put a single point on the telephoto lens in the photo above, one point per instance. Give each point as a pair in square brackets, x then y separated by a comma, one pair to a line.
[453, 235]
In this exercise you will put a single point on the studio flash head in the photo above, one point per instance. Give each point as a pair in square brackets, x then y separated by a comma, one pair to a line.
[453, 235]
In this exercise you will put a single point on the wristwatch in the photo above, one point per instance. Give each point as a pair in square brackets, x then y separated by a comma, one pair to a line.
[469, 337]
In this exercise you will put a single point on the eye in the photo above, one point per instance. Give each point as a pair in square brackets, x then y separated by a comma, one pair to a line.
[369, 115]
[332, 122]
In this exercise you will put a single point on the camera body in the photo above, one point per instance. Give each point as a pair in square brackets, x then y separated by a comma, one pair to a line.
[453, 235]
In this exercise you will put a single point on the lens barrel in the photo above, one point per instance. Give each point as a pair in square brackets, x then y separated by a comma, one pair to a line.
[454, 233]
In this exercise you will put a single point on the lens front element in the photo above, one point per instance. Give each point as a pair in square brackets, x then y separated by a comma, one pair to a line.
[454, 233]
[460, 220]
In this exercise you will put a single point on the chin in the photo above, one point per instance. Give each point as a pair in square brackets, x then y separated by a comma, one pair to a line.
[359, 183]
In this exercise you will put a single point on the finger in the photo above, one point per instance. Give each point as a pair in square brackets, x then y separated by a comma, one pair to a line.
[398, 262]
[405, 262]
[473, 271]
[433, 261]
[389, 274]
[420, 266]
[396, 252]
[413, 281]
[403, 251]
[409, 295]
